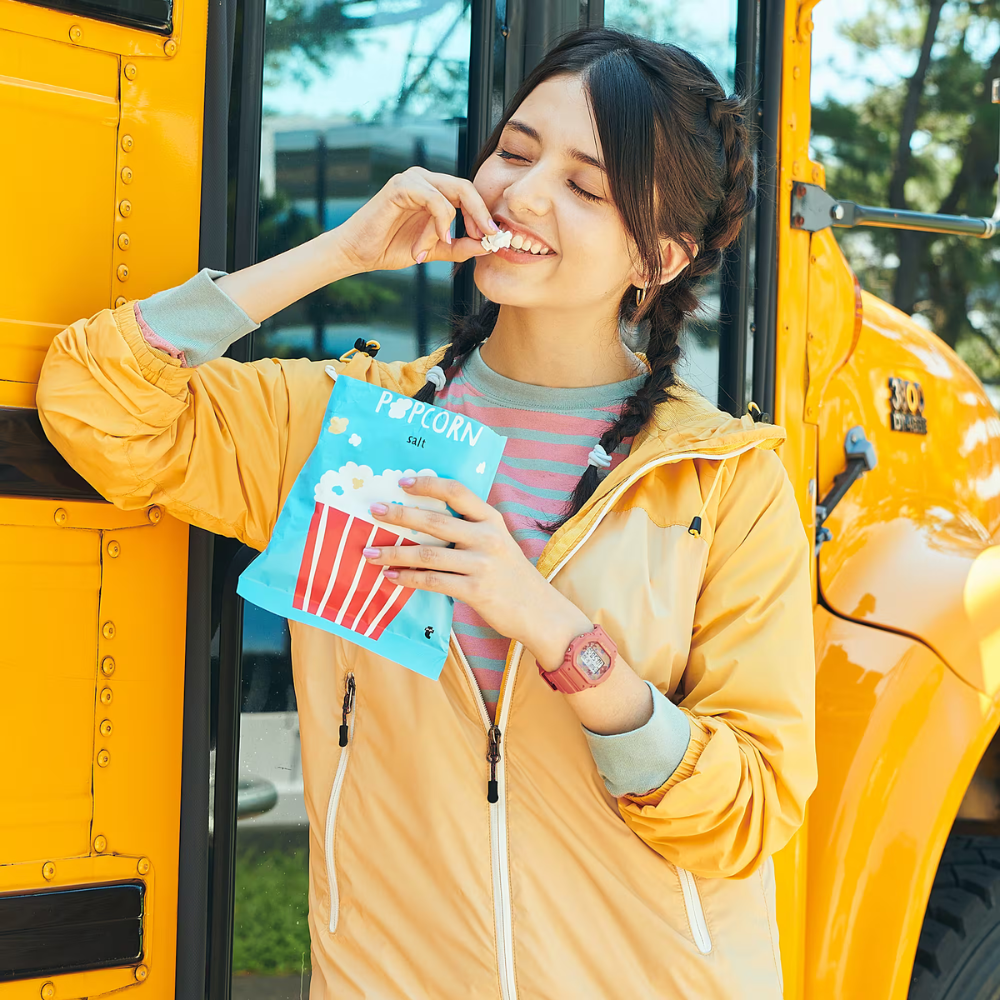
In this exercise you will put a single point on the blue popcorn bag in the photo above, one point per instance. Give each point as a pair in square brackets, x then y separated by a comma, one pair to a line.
[313, 569]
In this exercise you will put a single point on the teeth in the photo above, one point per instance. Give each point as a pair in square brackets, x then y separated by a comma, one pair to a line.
[526, 245]
[536, 248]
[517, 242]
[544, 250]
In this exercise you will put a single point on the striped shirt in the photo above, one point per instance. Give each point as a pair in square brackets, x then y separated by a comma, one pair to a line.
[550, 433]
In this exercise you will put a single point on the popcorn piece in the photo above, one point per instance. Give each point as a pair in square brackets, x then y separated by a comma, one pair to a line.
[497, 241]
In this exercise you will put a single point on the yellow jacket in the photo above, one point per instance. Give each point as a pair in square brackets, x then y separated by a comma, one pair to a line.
[418, 886]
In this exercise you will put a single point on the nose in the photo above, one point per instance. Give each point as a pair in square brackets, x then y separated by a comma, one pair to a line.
[531, 192]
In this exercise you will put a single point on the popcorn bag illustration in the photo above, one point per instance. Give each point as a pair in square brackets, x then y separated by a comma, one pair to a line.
[313, 569]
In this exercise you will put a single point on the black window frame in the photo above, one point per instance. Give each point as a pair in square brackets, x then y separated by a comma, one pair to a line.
[104, 10]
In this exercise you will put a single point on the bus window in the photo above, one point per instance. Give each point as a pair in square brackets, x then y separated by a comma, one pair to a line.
[345, 108]
[348, 102]
[708, 30]
[153, 15]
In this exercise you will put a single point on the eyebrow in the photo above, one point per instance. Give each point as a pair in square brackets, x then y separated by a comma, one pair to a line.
[532, 133]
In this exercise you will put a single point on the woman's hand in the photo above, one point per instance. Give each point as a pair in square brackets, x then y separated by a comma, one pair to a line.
[409, 221]
[486, 568]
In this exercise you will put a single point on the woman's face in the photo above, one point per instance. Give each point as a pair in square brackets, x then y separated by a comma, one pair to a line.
[545, 183]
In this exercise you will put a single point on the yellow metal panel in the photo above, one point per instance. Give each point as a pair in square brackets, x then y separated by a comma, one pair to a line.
[98, 35]
[50, 582]
[61, 116]
[96, 870]
[899, 737]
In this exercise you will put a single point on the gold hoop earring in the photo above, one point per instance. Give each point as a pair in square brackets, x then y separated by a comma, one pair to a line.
[640, 297]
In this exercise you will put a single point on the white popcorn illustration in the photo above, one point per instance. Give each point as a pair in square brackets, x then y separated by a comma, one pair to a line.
[335, 581]
[354, 439]
[398, 407]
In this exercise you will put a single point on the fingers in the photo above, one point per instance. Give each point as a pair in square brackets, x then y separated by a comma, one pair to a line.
[456, 495]
[462, 193]
[436, 557]
[428, 522]
[452, 584]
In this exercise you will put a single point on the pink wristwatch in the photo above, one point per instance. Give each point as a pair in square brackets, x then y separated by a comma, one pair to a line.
[587, 663]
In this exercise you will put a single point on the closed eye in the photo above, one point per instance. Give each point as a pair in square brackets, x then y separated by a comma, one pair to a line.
[507, 155]
[586, 195]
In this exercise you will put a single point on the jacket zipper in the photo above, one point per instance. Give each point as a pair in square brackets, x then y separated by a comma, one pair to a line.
[346, 732]
[495, 786]
[695, 911]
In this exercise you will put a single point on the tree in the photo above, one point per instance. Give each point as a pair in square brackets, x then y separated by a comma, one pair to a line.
[927, 142]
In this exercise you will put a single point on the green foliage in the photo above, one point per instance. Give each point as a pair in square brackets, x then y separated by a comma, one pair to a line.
[270, 920]
[950, 284]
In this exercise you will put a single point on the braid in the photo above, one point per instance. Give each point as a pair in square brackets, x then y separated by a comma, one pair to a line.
[468, 332]
[666, 307]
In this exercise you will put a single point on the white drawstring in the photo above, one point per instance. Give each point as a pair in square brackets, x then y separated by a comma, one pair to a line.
[599, 457]
[437, 376]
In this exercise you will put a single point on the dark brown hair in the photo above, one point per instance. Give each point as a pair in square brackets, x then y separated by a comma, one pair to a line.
[660, 115]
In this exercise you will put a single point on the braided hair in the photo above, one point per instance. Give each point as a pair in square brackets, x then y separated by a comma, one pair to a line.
[660, 115]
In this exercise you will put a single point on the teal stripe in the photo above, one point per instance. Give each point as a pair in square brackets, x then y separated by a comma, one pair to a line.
[535, 491]
[479, 631]
[513, 507]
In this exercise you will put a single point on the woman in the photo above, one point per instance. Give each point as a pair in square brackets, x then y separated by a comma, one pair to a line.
[486, 835]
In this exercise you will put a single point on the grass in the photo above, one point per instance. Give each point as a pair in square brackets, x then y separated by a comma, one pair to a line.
[271, 932]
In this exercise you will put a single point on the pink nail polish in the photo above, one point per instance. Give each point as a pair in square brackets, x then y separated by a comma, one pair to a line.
[390, 573]
[494, 226]
[370, 553]
[407, 481]
[379, 509]
[422, 256]
[448, 238]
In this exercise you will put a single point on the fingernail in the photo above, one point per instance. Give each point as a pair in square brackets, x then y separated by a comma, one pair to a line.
[378, 508]
[371, 553]
[422, 256]
[407, 481]
[494, 226]
[447, 238]
[390, 573]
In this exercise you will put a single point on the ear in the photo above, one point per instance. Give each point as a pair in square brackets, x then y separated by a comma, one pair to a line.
[673, 260]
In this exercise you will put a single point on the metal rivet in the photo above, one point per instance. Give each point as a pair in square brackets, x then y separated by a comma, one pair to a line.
[106, 696]
[106, 727]
[122, 272]
[125, 208]
[126, 142]
[60, 516]
[103, 759]
[127, 175]
[120, 301]
[141, 972]
[48, 991]
[170, 47]
[76, 33]
[155, 514]
[796, 72]
[143, 866]
[114, 549]
[108, 630]
[108, 666]
[130, 71]
[48, 871]
[100, 844]
[123, 241]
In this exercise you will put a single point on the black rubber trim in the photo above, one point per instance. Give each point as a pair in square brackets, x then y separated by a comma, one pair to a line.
[735, 283]
[57, 931]
[150, 15]
[227, 761]
[30, 466]
[772, 30]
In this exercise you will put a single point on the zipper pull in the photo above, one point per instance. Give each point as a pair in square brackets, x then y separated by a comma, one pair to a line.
[350, 690]
[493, 756]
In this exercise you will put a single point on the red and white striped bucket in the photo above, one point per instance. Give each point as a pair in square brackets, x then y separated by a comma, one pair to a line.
[335, 580]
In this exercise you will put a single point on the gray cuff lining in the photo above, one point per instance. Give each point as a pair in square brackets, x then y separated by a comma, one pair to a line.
[197, 318]
[637, 762]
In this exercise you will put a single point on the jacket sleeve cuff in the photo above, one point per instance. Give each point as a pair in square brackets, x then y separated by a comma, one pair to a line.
[194, 322]
[635, 763]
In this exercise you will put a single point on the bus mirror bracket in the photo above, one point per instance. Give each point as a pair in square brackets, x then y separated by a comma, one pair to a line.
[860, 454]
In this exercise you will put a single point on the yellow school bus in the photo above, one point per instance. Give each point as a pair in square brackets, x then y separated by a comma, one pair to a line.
[148, 716]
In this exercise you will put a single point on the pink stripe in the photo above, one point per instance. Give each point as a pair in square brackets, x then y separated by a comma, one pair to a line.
[155, 340]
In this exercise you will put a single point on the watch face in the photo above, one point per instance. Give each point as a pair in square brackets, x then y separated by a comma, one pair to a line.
[593, 660]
